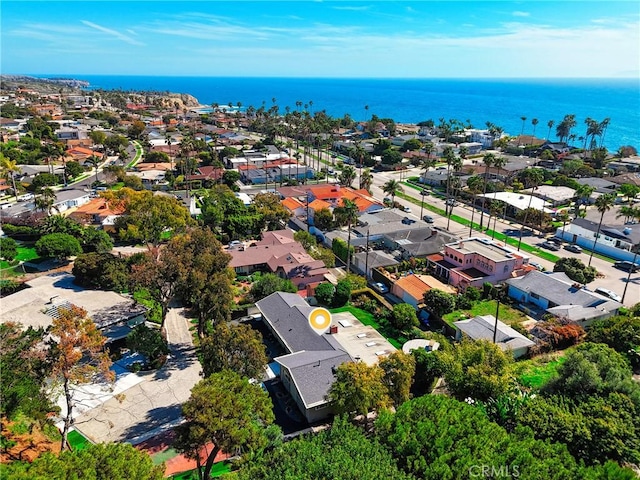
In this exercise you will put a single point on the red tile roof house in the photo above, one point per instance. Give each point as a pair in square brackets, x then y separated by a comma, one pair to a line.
[333, 195]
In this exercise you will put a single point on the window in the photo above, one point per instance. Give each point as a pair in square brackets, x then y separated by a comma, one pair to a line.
[535, 295]
[506, 268]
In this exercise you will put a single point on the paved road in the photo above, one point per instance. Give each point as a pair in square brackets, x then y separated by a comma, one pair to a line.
[153, 405]
[613, 279]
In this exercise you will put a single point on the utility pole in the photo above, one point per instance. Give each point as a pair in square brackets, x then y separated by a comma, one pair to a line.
[495, 328]
[366, 257]
[624, 293]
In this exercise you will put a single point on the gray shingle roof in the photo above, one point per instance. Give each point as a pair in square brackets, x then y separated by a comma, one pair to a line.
[482, 328]
[559, 289]
[287, 313]
[313, 372]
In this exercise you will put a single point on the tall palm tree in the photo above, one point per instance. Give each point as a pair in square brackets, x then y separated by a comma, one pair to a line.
[45, 200]
[488, 160]
[524, 119]
[564, 218]
[366, 179]
[604, 203]
[9, 168]
[581, 196]
[533, 177]
[428, 148]
[392, 187]
[550, 124]
[94, 160]
[347, 213]
[534, 122]
[474, 189]
[456, 166]
[427, 163]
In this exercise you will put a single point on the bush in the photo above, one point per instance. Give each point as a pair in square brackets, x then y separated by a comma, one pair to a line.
[342, 294]
[575, 270]
[150, 343]
[324, 293]
[101, 270]
[58, 245]
[404, 317]
[8, 249]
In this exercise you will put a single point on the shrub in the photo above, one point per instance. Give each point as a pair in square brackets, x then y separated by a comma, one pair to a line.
[325, 292]
[342, 294]
[150, 343]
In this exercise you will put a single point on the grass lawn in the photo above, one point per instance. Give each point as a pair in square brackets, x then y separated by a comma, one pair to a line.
[77, 440]
[506, 314]
[218, 469]
[536, 372]
[25, 254]
[368, 319]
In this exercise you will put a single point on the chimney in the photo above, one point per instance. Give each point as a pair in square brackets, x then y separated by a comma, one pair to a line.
[333, 329]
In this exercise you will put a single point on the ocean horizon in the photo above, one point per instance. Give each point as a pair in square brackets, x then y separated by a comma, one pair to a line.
[502, 101]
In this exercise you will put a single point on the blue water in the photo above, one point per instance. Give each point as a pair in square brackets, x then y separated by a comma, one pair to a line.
[502, 102]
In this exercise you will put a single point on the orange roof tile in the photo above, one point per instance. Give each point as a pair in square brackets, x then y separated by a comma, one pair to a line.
[80, 151]
[98, 206]
[292, 203]
[319, 205]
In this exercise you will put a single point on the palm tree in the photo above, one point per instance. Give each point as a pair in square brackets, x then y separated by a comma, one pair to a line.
[427, 163]
[474, 190]
[488, 160]
[94, 160]
[636, 216]
[582, 195]
[533, 177]
[604, 203]
[366, 179]
[564, 218]
[45, 200]
[550, 124]
[524, 119]
[456, 166]
[428, 148]
[347, 213]
[9, 168]
[534, 122]
[392, 187]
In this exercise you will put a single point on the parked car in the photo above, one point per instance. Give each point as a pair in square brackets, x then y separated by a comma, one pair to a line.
[380, 287]
[556, 240]
[608, 293]
[428, 219]
[536, 266]
[550, 246]
[626, 265]
[407, 221]
[406, 209]
[573, 248]
[425, 192]
[451, 202]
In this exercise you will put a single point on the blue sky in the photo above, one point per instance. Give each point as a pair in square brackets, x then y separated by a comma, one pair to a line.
[322, 38]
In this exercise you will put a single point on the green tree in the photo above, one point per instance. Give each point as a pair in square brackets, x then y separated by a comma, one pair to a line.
[305, 239]
[150, 343]
[347, 176]
[227, 411]
[404, 317]
[274, 214]
[576, 270]
[24, 373]
[94, 240]
[477, 369]
[148, 217]
[399, 370]
[358, 389]
[103, 271]
[60, 224]
[391, 156]
[102, 461]
[58, 245]
[354, 456]
[8, 249]
[238, 348]
[622, 333]
[323, 219]
[268, 284]
[347, 213]
[439, 303]
[604, 203]
[8, 169]
[342, 294]
[77, 356]
[44, 179]
[412, 145]
[324, 293]
[366, 180]
[391, 188]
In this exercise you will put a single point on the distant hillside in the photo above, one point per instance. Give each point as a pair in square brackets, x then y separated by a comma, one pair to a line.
[42, 85]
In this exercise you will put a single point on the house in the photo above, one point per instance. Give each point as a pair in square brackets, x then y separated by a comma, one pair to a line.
[474, 261]
[411, 288]
[70, 198]
[418, 242]
[333, 195]
[615, 241]
[555, 293]
[485, 327]
[553, 195]
[96, 211]
[599, 184]
[307, 370]
[365, 262]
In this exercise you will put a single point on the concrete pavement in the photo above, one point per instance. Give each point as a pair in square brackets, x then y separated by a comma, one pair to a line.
[154, 404]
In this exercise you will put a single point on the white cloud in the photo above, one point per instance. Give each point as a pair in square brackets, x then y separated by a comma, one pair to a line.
[519, 13]
[113, 33]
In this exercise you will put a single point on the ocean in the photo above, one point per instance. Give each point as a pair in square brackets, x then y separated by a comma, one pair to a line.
[500, 101]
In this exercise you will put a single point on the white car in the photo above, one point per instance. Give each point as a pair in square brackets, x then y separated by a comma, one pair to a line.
[609, 294]
[406, 209]
[380, 287]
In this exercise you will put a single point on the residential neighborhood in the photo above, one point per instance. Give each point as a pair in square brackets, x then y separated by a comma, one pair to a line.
[192, 250]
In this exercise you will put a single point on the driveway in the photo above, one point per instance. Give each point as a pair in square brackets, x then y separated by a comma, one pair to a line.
[154, 404]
